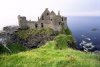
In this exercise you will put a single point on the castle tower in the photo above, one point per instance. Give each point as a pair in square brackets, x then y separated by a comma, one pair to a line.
[22, 22]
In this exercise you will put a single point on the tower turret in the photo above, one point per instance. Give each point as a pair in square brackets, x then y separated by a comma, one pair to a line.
[59, 13]
[22, 22]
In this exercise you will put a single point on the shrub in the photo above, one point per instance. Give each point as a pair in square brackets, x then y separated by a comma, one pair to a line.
[64, 41]
[67, 31]
[71, 41]
[24, 34]
[61, 41]
[69, 38]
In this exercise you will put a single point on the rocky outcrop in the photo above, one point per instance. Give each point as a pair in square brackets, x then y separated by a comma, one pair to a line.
[38, 40]
[34, 40]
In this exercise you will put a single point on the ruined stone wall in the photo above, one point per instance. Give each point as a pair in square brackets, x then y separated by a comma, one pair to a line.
[47, 20]
[65, 22]
[31, 24]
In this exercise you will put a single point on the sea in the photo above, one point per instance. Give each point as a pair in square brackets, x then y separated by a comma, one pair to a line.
[86, 31]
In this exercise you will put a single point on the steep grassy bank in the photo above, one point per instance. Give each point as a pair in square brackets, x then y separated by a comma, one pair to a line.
[14, 47]
[33, 38]
[48, 56]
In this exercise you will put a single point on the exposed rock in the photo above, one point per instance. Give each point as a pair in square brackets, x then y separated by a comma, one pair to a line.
[33, 40]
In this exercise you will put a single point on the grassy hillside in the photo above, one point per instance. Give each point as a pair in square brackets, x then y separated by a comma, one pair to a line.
[48, 56]
[14, 47]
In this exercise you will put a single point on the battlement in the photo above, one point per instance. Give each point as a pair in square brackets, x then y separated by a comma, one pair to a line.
[21, 18]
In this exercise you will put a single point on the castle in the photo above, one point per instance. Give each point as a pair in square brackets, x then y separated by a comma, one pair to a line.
[47, 20]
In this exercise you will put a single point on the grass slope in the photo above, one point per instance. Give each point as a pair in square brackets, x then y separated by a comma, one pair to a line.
[14, 47]
[48, 56]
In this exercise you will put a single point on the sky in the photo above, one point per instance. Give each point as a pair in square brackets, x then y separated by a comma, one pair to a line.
[10, 9]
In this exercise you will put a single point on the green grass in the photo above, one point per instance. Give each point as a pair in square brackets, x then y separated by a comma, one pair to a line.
[61, 41]
[48, 56]
[29, 32]
[64, 41]
[14, 47]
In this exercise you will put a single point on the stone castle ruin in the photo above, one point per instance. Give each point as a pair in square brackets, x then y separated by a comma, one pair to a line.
[47, 20]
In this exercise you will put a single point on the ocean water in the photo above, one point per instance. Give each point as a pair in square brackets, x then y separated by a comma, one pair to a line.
[86, 31]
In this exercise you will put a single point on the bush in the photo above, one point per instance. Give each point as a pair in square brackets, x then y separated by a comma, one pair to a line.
[61, 41]
[67, 31]
[71, 41]
[69, 38]
[24, 34]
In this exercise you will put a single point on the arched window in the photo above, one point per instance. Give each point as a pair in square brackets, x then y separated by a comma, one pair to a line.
[42, 25]
[47, 13]
[36, 25]
[62, 19]
[59, 23]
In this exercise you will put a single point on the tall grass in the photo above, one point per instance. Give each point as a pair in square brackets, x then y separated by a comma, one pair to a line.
[14, 47]
[48, 56]
[64, 41]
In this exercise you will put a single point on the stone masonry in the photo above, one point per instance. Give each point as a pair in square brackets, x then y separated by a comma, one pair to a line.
[47, 20]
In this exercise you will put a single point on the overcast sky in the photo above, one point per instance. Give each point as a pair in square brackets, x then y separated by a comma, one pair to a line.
[9, 9]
